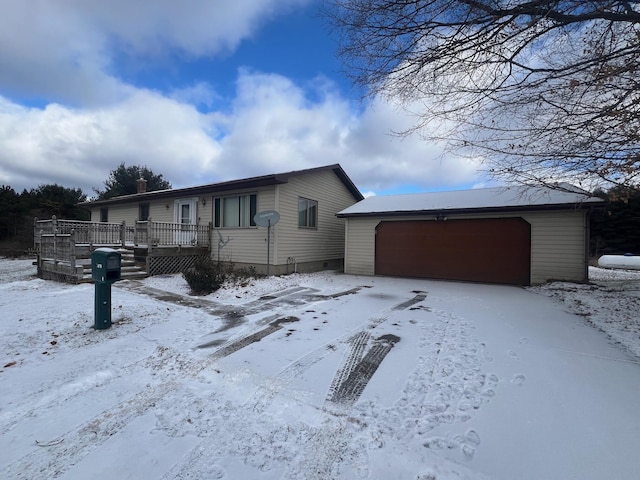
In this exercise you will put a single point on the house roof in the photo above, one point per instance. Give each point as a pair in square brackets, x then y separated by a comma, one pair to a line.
[498, 199]
[221, 187]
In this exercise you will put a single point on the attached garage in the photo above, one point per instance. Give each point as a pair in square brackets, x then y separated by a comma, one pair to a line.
[499, 235]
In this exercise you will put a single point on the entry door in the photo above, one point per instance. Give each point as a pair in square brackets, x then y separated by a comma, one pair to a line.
[186, 218]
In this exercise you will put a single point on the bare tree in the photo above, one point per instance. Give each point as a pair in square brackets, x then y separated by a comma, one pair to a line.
[541, 90]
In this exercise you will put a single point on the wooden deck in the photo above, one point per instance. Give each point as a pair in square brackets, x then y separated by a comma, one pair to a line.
[64, 247]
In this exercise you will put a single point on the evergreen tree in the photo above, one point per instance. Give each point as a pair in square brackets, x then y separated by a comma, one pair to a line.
[17, 212]
[616, 229]
[124, 181]
[9, 212]
[49, 200]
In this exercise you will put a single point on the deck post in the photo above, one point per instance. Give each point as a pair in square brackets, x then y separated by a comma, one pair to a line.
[35, 243]
[35, 233]
[123, 233]
[149, 239]
[54, 222]
[72, 251]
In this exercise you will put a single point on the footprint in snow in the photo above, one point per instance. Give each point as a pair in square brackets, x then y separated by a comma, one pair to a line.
[518, 379]
[214, 472]
[472, 438]
[468, 451]
[470, 441]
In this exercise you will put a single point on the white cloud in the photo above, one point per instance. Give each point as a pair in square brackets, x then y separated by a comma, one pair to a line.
[272, 126]
[78, 148]
[67, 49]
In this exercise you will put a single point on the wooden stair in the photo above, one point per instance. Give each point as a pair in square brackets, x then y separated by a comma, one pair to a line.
[131, 269]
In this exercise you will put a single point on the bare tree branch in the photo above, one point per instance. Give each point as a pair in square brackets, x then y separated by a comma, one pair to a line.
[542, 90]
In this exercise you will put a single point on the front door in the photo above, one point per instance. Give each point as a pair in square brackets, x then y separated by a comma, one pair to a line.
[186, 218]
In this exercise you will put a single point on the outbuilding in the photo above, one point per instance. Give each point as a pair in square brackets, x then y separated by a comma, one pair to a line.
[506, 235]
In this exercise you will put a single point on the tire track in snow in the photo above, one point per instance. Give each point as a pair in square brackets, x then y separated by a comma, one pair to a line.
[80, 441]
[358, 342]
[349, 390]
[352, 378]
[334, 438]
[44, 464]
[316, 450]
[238, 344]
[73, 383]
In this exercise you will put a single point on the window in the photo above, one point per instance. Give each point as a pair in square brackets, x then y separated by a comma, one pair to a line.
[235, 211]
[307, 213]
[143, 212]
[104, 214]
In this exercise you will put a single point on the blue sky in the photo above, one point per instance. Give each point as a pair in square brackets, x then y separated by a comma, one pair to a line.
[199, 91]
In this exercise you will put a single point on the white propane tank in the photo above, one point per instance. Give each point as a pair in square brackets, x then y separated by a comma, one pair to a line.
[628, 262]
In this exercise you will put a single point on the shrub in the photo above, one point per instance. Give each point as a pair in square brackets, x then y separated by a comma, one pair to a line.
[205, 277]
[242, 276]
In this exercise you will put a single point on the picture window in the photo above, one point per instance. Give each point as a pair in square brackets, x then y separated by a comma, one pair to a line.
[235, 211]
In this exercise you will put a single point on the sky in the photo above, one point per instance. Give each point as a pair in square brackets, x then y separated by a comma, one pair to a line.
[199, 91]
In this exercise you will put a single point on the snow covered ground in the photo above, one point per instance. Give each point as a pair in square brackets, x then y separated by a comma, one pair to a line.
[320, 376]
[611, 303]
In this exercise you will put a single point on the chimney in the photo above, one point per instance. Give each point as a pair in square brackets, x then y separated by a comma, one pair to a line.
[142, 185]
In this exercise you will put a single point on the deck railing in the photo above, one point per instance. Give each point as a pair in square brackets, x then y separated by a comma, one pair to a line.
[84, 232]
[57, 248]
[163, 234]
[143, 233]
[62, 245]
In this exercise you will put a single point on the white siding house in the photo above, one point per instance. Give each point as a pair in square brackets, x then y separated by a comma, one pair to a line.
[308, 236]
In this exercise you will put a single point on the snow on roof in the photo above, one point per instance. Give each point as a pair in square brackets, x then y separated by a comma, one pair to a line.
[517, 197]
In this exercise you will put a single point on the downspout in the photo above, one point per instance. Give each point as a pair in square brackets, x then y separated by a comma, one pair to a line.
[274, 232]
[346, 245]
[293, 261]
[587, 242]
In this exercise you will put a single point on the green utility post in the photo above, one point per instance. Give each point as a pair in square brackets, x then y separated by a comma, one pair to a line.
[105, 270]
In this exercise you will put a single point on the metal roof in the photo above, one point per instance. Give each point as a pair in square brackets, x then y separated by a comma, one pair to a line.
[474, 200]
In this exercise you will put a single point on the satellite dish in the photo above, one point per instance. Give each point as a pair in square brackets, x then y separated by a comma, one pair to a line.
[266, 218]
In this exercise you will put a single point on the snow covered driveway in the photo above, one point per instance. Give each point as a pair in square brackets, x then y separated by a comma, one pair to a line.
[310, 377]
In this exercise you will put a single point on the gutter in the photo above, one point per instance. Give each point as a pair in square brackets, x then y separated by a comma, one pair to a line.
[458, 211]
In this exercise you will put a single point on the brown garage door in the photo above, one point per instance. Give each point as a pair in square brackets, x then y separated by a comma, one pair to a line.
[480, 250]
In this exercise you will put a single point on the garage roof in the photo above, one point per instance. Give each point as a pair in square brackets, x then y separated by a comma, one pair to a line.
[474, 201]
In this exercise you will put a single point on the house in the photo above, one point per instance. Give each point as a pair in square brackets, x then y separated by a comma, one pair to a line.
[169, 229]
[508, 235]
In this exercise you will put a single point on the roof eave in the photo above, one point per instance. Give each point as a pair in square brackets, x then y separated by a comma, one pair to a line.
[462, 211]
[189, 191]
[212, 188]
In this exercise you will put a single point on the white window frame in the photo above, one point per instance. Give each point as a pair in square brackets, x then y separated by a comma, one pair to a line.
[247, 208]
[310, 209]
